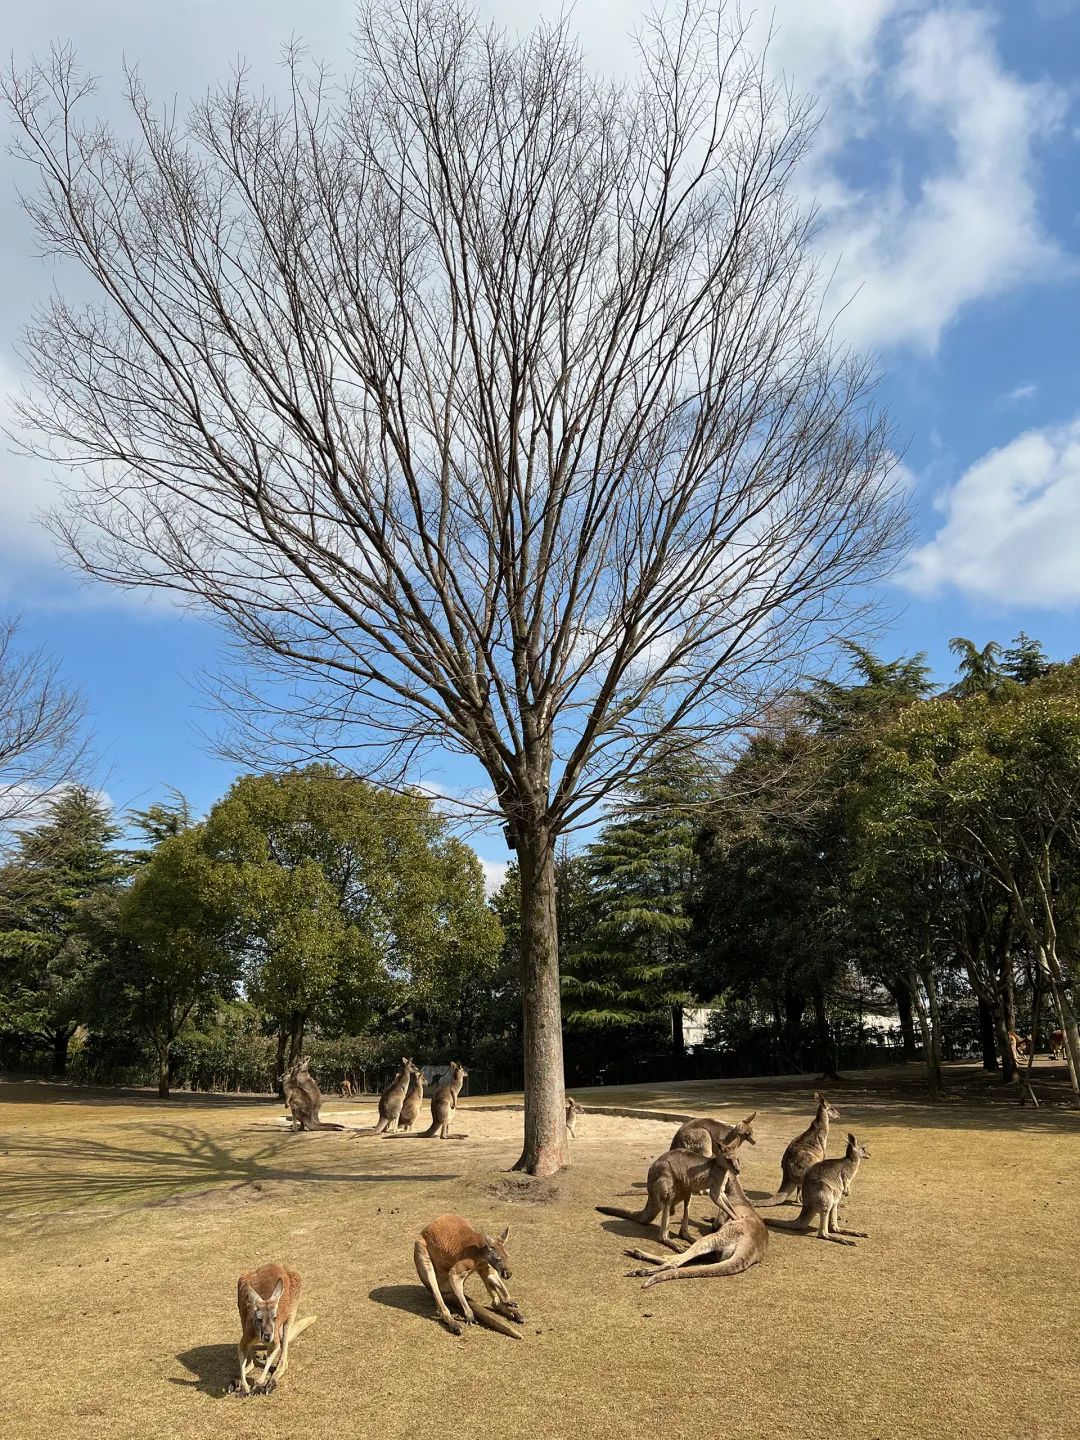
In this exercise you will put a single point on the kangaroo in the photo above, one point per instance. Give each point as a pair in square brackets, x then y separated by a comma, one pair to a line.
[304, 1098]
[267, 1299]
[392, 1099]
[688, 1136]
[736, 1245]
[448, 1252]
[1057, 1044]
[413, 1102]
[444, 1102]
[672, 1179]
[805, 1150]
[824, 1186]
[346, 1089]
[573, 1110]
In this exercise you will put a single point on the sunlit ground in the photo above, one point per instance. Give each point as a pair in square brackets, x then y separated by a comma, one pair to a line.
[126, 1222]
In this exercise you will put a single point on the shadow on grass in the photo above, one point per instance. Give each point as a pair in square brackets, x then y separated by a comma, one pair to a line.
[167, 1164]
[214, 1367]
[413, 1299]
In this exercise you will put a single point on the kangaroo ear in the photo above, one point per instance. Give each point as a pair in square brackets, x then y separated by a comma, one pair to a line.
[505, 1235]
[851, 1139]
[750, 1118]
[276, 1296]
[819, 1097]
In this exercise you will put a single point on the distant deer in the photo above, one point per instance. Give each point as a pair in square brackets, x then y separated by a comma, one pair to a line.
[739, 1243]
[448, 1252]
[392, 1099]
[805, 1150]
[444, 1102]
[304, 1098]
[824, 1186]
[413, 1102]
[573, 1110]
[267, 1299]
[671, 1181]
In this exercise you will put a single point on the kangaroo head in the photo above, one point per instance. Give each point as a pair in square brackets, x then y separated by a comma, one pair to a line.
[413, 1069]
[573, 1106]
[495, 1253]
[855, 1150]
[264, 1312]
[745, 1129]
[831, 1112]
[459, 1071]
[727, 1157]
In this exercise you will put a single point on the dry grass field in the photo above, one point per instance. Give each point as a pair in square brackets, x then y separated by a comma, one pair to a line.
[126, 1222]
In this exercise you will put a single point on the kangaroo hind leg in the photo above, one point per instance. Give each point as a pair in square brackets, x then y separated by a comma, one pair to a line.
[426, 1271]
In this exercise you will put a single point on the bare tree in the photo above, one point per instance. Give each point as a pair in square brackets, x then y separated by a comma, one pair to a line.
[41, 744]
[488, 403]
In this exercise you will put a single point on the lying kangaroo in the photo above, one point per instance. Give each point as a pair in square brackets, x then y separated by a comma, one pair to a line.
[413, 1102]
[304, 1098]
[573, 1110]
[805, 1150]
[672, 1179]
[824, 1186]
[739, 1243]
[267, 1299]
[448, 1252]
[444, 1102]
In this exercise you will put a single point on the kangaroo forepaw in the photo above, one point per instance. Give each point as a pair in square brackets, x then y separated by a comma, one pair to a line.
[636, 1274]
[456, 1327]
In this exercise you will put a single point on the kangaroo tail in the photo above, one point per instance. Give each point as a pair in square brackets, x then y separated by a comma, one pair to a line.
[641, 1217]
[782, 1195]
[735, 1266]
[329, 1125]
[373, 1129]
[494, 1321]
[299, 1326]
[801, 1222]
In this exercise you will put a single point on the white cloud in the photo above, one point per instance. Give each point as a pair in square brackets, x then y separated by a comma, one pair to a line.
[494, 874]
[1027, 390]
[914, 251]
[1011, 531]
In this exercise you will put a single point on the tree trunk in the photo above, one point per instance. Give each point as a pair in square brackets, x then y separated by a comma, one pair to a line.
[279, 1063]
[60, 1041]
[163, 1072]
[1009, 1072]
[930, 1025]
[296, 1036]
[827, 1056]
[678, 1040]
[545, 1149]
[901, 992]
[988, 1035]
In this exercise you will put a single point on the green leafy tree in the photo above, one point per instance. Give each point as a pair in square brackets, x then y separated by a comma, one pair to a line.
[49, 949]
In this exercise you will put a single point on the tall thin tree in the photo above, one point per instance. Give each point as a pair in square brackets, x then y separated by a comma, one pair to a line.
[486, 401]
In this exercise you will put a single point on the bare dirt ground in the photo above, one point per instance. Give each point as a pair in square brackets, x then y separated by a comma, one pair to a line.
[126, 1222]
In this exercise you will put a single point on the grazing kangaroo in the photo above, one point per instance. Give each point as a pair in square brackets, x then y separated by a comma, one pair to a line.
[738, 1243]
[573, 1110]
[448, 1252]
[346, 1089]
[304, 1098]
[413, 1102]
[672, 1179]
[267, 1299]
[688, 1136]
[1057, 1044]
[805, 1150]
[444, 1102]
[824, 1186]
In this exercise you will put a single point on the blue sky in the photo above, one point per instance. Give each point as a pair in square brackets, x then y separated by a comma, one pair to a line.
[946, 175]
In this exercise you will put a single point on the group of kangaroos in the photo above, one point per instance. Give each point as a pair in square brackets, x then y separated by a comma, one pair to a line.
[702, 1159]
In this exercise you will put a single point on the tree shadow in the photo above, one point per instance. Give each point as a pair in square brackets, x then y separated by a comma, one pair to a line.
[214, 1367]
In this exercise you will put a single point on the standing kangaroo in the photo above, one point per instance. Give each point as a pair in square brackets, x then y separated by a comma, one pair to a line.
[444, 1102]
[448, 1252]
[805, 1150]
[739, 1243]
[304, 1098]
[672, 1179]
[573, 1110]
[688, 1136]
[413, 1102]
[824, 1186]
[392, 1099]
[267, 1299]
